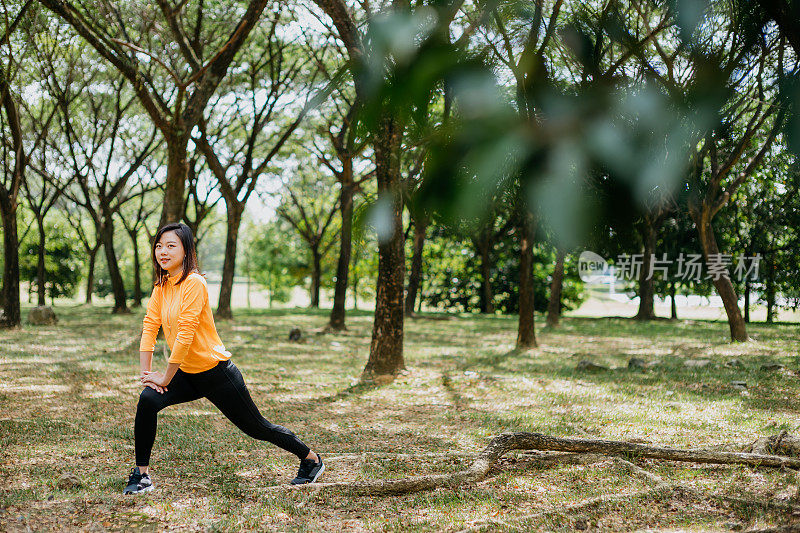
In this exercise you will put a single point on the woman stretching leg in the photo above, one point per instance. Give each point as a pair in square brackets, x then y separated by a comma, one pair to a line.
[199, 366]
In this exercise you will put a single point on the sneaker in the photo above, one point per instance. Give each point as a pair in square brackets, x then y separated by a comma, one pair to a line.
[138, 483]
[309, 471]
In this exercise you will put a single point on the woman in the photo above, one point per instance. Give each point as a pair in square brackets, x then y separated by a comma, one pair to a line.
[198, 366]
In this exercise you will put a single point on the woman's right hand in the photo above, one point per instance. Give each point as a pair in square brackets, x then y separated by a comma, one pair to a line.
[156, 387]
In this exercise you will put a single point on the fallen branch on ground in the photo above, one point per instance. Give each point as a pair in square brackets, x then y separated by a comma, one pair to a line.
[537, 441]
[391, 455]
[506, 442]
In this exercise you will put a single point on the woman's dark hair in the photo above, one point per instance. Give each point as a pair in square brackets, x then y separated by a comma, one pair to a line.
[184, 233]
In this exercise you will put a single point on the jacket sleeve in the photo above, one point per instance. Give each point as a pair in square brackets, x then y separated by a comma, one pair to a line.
[151, 322]
[194, 295]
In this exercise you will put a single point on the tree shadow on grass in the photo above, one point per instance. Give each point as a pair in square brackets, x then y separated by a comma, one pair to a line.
[765, 390]
[353, 390]
[459, 402]
[493, 361]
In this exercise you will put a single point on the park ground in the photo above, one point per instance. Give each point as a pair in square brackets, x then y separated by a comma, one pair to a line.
[68, 396]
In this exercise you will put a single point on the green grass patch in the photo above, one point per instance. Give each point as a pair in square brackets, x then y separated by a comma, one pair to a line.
[68, 396]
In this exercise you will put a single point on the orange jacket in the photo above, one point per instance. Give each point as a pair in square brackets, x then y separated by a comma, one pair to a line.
[185, 314]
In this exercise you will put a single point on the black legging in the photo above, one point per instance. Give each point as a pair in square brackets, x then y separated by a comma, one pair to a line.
[224, 386]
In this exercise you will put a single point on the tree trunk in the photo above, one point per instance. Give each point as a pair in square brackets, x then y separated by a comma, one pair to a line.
[415, 276]
[386, 348]
[487, 295]
[229, 263]
[316, 276]
[11, 302]
[270, 289]
[106, 230]
[723, 284]
[526, 332]
[41, 273]
[770, 290]
[673, 309]
[747, 301]
[8, 211]
[554, 304]
[177, 170]
[247, 271]
[646, 282]
[337, 318]
[137, 274]
[355, 293]
[90, 274]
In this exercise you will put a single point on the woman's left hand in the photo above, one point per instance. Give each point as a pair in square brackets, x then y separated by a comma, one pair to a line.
[156, 378]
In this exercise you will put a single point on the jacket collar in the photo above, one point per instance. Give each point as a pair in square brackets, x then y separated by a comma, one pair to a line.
[172, 280]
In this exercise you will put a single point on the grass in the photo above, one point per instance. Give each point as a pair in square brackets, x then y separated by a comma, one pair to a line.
[68, 396]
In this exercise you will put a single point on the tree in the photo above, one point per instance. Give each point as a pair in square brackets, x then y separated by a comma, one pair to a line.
[15, 161]
[421, 222]
[43, 193]
[335, 120]
[62, 262]
[380, 62]
[346, 150]
[134, 220]
[386, 348]
[309, 207]
[554, 302]
[491, 227]
[90, 243]
[240, 146]
[201, 200]
[715, 197]
[678, 241]
[648, 229]
[714, 183]
[115, 135]
[745, 75]
[185, 45]
[763, 223]
[526, 65]
[339, 126]
[421, 216]
[41, 197]
[526, 331]
[274, 259]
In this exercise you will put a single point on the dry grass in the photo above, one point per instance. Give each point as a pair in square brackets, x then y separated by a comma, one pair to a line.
[68, 396]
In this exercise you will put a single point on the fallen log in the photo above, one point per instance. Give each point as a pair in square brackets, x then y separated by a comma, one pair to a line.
[507, 442]
[538, 441]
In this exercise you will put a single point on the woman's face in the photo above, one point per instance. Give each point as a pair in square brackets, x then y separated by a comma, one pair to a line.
[170, 252]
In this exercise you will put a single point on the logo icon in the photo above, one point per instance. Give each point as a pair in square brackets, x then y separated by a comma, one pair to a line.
[592, 268]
